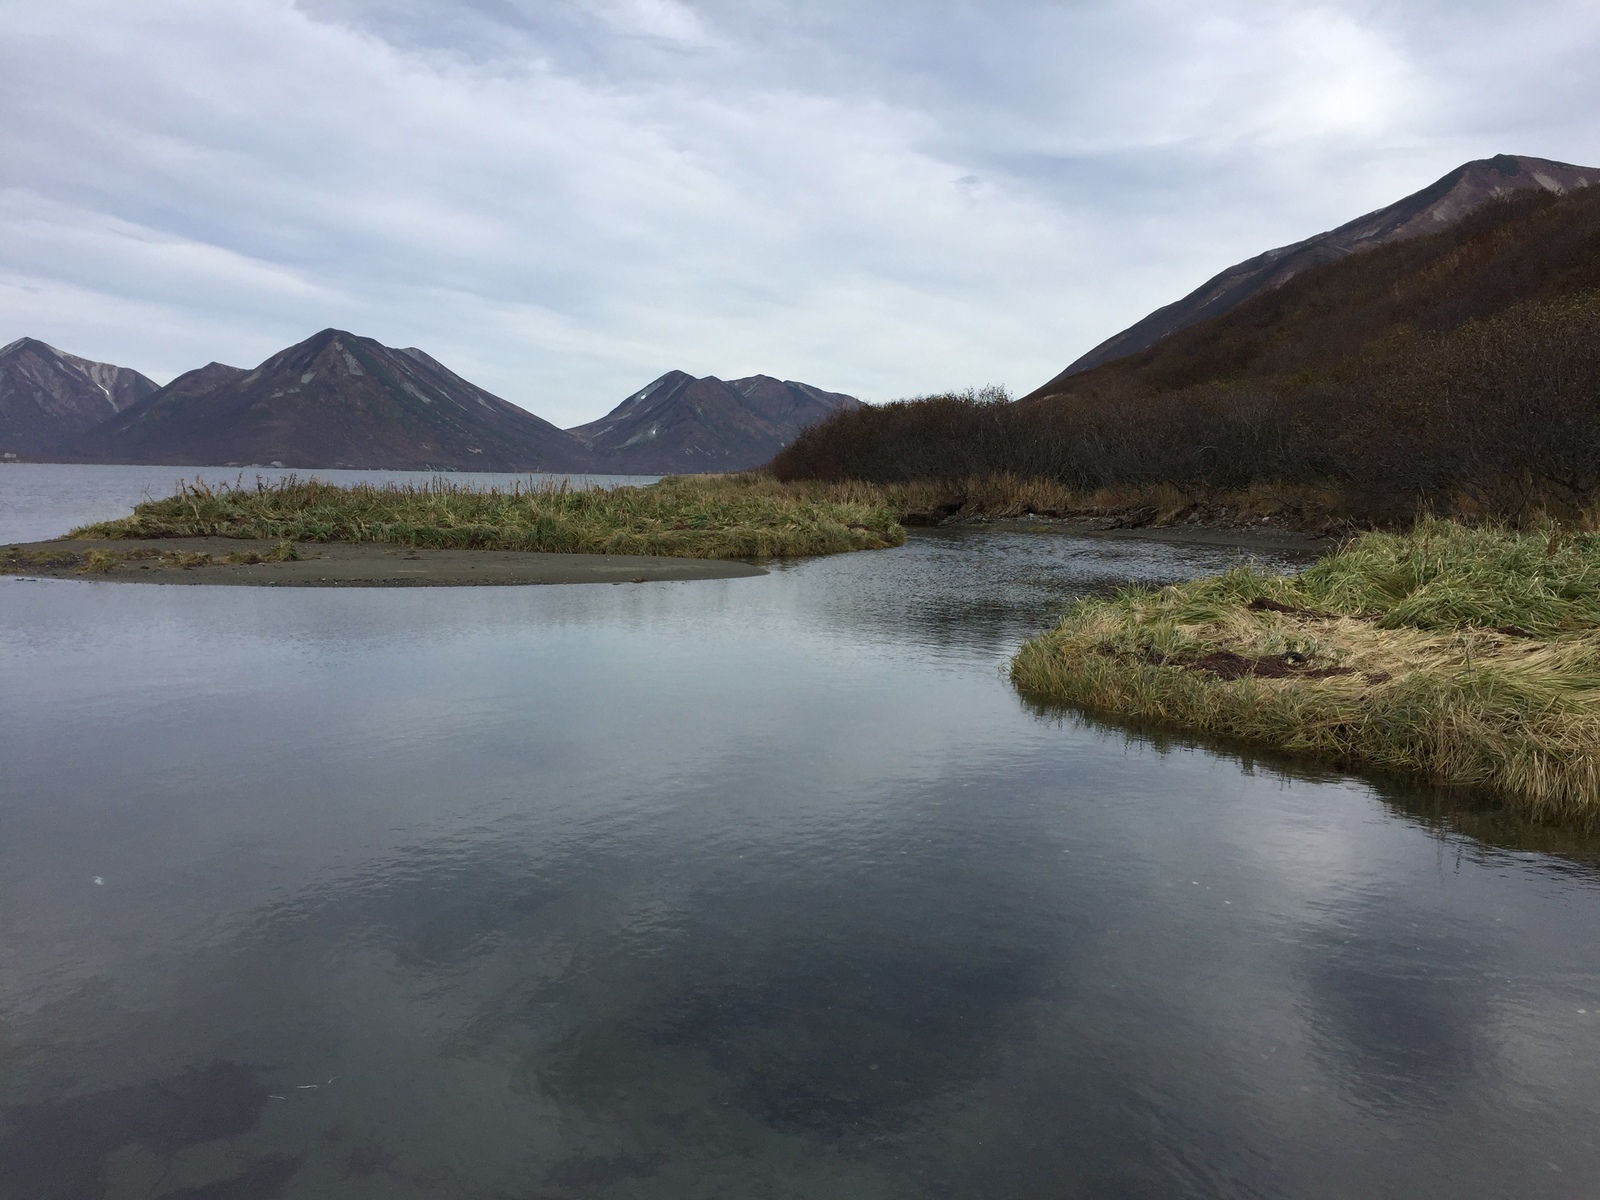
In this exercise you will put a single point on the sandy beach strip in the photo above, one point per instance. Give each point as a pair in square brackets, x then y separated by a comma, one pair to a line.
[341, 564]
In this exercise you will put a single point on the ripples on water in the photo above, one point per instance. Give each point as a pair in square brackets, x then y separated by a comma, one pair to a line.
[762, 887]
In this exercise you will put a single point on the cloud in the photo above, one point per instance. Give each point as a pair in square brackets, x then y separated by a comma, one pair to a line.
[563, 199]
[664, 19]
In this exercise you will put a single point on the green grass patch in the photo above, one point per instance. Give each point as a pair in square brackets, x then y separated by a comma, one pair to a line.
[731, 517]
[1460, 656]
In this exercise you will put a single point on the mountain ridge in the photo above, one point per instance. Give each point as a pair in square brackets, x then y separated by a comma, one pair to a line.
[1534, 246]
[1445, 202]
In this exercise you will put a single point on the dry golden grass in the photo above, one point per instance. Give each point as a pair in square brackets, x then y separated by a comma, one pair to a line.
[1463, 657]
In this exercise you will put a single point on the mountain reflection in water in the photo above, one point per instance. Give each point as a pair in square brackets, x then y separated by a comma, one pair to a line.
[753, 887]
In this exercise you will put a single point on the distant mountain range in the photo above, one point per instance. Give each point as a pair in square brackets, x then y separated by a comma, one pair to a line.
[339, 400]
[1442, 204]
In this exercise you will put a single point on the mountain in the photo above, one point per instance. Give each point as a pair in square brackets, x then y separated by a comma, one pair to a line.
[1460, 369]
[46, 395]
[682, 425]
[1531, 247]
[333, 400]
[1462, 192]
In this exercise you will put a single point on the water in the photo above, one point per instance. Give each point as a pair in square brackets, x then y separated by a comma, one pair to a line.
[762, 887]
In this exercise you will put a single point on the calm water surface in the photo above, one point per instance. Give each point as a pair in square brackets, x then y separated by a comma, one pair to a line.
[751, 888]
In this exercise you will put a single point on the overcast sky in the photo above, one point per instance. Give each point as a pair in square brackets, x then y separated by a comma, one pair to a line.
[562, 199]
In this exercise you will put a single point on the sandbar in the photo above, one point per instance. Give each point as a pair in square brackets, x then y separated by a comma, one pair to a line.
[341, 564]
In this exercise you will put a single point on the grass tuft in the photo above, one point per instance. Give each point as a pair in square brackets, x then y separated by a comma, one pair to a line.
[1465, 657]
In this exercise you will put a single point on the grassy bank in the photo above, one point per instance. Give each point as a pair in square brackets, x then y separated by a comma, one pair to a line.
[692, 516]
[1461, 656]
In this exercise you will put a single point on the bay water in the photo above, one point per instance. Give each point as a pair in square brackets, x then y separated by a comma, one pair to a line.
[760, 887]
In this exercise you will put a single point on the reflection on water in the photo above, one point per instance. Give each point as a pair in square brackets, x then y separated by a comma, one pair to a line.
[1484, 821]
[748, 887]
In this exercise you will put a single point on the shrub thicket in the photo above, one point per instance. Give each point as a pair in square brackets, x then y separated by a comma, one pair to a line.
[1501, 415]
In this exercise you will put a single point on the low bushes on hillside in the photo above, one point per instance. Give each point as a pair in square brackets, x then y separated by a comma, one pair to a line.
[1501, 417]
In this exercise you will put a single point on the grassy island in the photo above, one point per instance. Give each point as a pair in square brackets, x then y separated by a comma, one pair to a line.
[722, 517]
[1459, 656]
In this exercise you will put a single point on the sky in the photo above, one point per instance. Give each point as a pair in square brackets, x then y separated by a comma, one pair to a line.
[563, 199]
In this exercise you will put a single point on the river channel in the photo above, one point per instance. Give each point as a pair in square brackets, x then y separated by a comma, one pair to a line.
[765, 887]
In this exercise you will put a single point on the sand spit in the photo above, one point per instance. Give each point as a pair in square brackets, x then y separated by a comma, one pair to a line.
[339, 564]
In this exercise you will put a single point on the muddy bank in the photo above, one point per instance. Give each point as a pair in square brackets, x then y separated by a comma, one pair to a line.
[1260, 537]
[264, 563]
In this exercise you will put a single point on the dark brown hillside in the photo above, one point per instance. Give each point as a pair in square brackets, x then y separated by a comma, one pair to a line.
[1534, 247]
[333, 400]
[47, 395]
[1443, 203]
